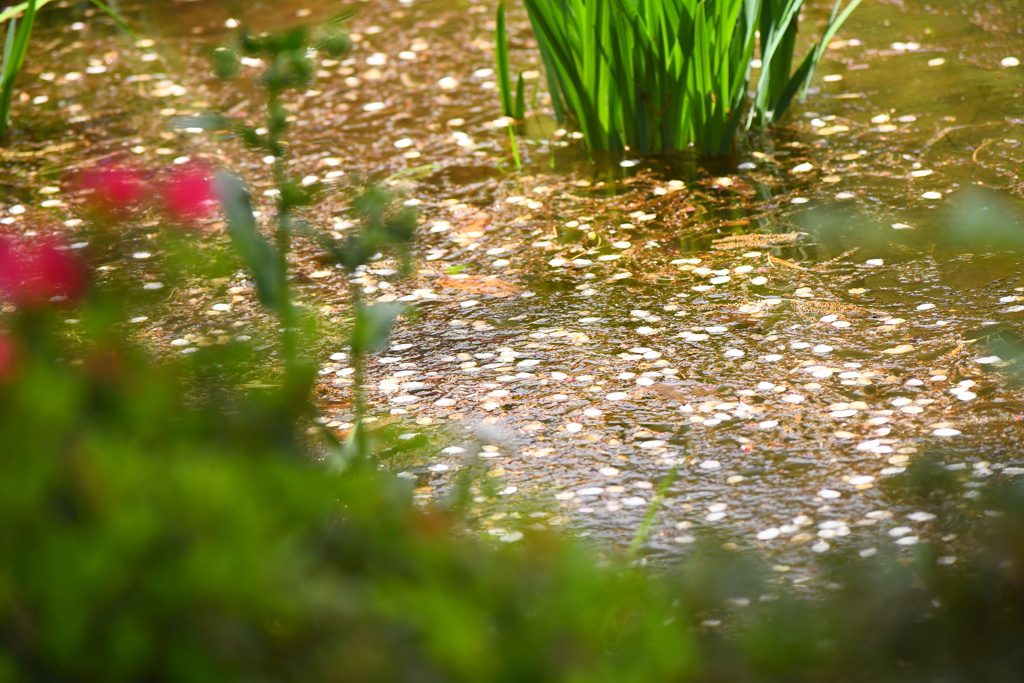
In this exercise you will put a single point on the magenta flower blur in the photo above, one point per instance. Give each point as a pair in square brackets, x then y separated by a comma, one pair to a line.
[38, 270]
[113, 190]
[188, 193]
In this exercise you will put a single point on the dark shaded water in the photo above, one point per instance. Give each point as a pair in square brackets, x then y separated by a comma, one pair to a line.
[602, 333]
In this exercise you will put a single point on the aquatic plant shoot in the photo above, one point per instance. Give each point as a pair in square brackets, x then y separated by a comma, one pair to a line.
[657, 76]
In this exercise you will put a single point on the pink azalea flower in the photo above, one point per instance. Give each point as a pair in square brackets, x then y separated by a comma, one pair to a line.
[188, 193]
[33, 272]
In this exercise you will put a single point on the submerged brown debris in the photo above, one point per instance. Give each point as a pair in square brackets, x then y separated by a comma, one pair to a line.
[757, 241]
[816, 307]
[480, 285]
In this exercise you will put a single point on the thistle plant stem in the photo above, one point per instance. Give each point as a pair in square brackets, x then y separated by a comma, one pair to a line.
[289, 317]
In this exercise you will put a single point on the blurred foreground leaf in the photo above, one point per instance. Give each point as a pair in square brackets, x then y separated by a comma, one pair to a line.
[373, 326]
[265, 263]
[983, 219]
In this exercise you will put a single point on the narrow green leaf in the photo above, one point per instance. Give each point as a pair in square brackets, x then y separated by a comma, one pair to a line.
[800, 76]
[14, 58]
[519, 111]
[501, 57]
[661, 75]
[12, 31]
[21, 8]
[113, 14]
[835, 23]
[266, 265]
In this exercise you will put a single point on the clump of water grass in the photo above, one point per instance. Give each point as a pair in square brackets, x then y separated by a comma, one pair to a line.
[659, 76]
[17, 23]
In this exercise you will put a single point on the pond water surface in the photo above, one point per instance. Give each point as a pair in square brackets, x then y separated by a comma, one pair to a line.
[775, 336]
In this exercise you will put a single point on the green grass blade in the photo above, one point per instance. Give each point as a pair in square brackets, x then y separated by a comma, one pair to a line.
[652, 513]
[515, 148]
[519, 110]
[835, 23]
[14, 58]
[554, 86]
[774, 28]
[561, 45]
[801, 76]
[113, 14]
[501, 57]
[12, 30]
[21, 8]
[661, 75]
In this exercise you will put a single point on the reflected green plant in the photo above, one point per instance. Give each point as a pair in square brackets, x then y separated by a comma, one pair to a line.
[985, 219]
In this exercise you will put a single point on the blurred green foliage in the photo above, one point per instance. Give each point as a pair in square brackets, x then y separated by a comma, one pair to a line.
[150, 531]
[985, 220]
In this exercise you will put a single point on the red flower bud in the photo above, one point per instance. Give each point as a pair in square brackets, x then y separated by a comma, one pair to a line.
[114, 190]
[32, 272]
[188, 193]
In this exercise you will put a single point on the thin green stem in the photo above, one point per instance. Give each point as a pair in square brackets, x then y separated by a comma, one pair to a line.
[652, 511]
[289, 314]
[358, 440]
[515, 148]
